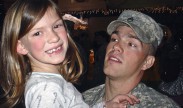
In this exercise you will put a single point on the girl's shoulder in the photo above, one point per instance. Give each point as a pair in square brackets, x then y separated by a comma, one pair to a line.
[42, 78]
[39, 81]
[49, 83]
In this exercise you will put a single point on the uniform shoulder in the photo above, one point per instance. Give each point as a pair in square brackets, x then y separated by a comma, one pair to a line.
[93, 95]
[93, 90]
[151, 97]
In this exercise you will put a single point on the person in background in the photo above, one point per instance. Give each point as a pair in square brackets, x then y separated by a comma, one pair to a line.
[134, 39]
[39, 60]
[100, 41]
[170, 60]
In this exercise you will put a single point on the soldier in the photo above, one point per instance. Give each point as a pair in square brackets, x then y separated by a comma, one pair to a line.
[134, 40]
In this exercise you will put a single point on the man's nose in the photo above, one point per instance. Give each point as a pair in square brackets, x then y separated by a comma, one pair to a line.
[117, 47]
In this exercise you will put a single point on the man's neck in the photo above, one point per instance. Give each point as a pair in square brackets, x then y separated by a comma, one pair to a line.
[115, 87]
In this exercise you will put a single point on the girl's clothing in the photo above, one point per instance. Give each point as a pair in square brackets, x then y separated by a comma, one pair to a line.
[49, 90]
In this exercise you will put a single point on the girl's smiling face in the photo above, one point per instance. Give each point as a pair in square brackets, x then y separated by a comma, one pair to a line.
[46, 43]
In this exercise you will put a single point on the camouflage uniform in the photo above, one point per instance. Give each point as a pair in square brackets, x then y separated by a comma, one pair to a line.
[149, 98]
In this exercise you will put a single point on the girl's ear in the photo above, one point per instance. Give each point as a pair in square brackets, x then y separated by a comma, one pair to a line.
[21, 49]
[148, 62]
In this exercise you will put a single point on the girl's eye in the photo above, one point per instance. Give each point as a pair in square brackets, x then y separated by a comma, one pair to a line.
[132, 45]
[58, 25]
[37, 34]
[113, 40]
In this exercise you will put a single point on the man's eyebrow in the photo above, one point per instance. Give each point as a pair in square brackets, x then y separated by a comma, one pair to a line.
[115, 32]
[132, 36]
[135, 37]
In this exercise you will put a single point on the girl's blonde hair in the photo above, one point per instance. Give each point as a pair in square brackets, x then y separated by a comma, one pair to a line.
[15, 68]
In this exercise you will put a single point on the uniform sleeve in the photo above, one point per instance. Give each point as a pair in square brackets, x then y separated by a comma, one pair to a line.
[99, 105]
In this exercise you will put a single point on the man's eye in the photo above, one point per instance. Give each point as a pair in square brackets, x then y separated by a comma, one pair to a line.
[132, 45]
[113, 40]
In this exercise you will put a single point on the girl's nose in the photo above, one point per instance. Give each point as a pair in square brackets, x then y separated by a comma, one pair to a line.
[53, 37]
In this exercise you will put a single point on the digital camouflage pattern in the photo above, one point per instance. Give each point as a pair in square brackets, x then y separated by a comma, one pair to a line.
[149, 98]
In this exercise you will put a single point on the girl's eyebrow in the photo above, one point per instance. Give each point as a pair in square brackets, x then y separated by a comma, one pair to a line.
[38, 28]
[58, 20]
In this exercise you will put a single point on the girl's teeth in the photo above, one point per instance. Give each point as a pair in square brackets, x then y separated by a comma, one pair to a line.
[53, 50]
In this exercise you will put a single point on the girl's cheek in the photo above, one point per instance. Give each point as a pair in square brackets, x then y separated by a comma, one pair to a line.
[37, 45]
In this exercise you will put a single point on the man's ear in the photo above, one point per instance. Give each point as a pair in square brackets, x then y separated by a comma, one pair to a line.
[21, 49]
[148, 62]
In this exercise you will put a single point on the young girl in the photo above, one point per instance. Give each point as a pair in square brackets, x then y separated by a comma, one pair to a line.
[39, 59]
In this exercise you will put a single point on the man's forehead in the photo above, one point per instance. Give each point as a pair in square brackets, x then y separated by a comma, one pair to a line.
[130, 31]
